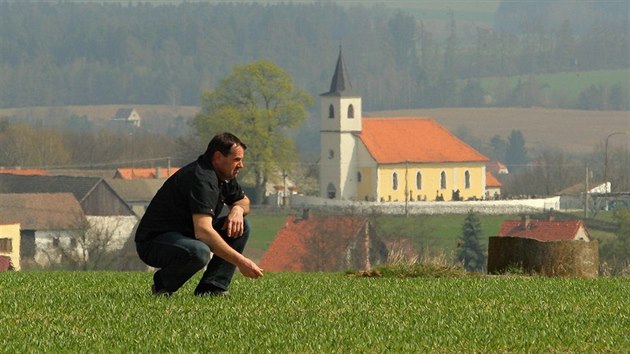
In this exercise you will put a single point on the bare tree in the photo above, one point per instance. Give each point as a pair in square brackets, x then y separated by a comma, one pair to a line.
[90, 246]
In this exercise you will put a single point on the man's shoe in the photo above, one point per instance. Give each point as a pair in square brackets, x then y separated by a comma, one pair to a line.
[217, 293]
[160, 292]
[210, 290]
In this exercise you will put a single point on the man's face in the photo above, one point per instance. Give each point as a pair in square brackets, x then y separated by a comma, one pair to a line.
[227, 167]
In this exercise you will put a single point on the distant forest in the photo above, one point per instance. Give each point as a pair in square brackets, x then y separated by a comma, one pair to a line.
[88, 53]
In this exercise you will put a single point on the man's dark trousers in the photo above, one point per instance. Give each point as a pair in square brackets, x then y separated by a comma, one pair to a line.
[179, 257]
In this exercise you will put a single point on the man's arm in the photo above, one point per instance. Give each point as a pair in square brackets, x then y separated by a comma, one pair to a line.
[208, 235]
[234, 224]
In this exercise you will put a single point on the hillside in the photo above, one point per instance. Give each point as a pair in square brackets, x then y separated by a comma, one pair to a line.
[573, 131]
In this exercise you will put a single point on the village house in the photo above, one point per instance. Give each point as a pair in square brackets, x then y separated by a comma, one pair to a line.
[391, 159]
[101, 210]
[94, 194]
[324, 243]
[45, 222]
[545, 230]
[9, 246]
[493, 186]
[127, 117]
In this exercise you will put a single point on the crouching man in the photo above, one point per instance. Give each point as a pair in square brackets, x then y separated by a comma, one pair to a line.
[182, 230]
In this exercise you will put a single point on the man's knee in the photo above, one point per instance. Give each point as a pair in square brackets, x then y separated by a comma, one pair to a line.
[200, 255]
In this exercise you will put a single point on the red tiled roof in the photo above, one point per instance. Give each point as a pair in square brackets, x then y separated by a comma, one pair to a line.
[492, 181]
[412, 139]
[145, 173]
[301, 243]
[24, 171]
[542, 230]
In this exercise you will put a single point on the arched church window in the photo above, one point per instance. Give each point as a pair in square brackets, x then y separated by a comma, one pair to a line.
[331, 111]
[358, 176]
[467, 179]
[418, 180]
[331, 154]
[395, 181]
[443, 180]
[350, 111]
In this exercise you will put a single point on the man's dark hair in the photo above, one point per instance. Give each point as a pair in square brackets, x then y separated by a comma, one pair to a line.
[223, 143]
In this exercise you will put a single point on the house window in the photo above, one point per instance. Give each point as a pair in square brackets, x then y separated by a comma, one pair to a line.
[350, 111]
[418, 180]
[395, 181]
[6, 245]
[443, 180]
[358, 176]
[467, 179]
[331, 111]
[331, 154]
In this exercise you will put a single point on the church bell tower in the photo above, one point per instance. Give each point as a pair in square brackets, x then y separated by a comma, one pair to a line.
[340, 123]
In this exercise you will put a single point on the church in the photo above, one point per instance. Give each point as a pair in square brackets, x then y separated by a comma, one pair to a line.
[391, 159]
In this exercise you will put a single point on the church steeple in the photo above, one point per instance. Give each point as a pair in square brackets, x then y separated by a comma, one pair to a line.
[341, 118]
[340, 84]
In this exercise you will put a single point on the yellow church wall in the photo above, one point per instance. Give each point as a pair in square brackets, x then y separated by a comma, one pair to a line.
[429, 187]
[365, 190]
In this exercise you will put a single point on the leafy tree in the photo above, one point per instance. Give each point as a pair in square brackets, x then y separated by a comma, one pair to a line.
[23, 145]
[259, 103]
[472, 94]
[516, 154]
[616, 252]
[470, 251]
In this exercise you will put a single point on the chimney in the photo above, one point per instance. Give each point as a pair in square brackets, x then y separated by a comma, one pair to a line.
[524, 222]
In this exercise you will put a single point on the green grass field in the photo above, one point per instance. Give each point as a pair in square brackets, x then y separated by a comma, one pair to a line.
[106, 312]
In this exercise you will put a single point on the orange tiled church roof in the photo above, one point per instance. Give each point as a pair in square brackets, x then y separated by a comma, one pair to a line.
[412, 139]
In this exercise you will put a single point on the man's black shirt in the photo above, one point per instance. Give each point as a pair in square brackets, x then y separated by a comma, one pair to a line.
[193, 189]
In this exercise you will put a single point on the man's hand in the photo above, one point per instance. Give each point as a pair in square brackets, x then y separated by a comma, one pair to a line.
[248, 268]
[234, 222]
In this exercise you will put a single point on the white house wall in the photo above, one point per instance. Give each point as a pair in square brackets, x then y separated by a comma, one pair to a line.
[116, 228]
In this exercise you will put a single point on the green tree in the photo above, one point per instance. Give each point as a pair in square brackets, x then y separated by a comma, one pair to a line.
[470, 251]
[616, 252]
[259, 103]
[516, 154]
[498, 147]
[23, 145]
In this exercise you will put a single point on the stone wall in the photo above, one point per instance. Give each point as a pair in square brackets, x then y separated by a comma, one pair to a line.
[496, 207]
[554, 258]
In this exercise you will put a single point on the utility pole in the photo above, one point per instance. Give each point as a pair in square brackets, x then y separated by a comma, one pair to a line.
[407, 195]
[586, 194]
